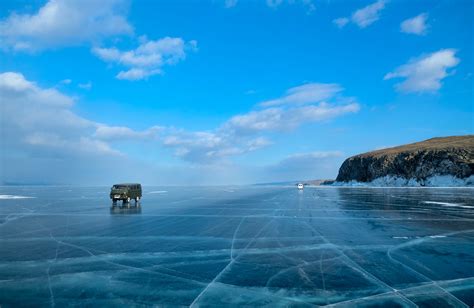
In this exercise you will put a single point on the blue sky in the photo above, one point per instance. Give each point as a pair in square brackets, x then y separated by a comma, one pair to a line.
[225, 92]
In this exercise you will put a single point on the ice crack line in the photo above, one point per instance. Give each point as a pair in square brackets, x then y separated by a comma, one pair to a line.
[59, 242]
[234, 237]
[411, 288]
[420, 275]
[233, 260]
[364, 272]
[323, 280]
[216, 278]
[51, 293]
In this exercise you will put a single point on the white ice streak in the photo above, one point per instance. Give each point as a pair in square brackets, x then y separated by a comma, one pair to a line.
[448, 204]
[12, 197]
[158, 192]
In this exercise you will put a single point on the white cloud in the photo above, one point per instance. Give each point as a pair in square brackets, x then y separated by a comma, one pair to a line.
[230, 3]
[307, 93]
[210, 147]
[86, 86]
[363, 17]
[425, 73]
[257, 143]
[105, 132]
[14, 82]
[299, 105]
[137, 74]
[369, 14]
[341, 22]
[274, 3]
[62, 23]
[35, 116]
[59, 143]
[309, 4]
[14, 86]
[281, 119]
[148, 58]
[254, 121]
[416, 25]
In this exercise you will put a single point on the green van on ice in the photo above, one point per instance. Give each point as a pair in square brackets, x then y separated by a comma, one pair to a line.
[126, 192]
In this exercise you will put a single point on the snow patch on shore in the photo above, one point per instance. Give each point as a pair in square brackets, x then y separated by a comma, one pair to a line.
[395, 181]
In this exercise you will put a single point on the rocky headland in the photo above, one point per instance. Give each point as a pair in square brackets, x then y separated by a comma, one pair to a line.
[444, 161]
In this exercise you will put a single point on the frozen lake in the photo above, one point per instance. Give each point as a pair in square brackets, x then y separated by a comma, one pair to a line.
[273, 246]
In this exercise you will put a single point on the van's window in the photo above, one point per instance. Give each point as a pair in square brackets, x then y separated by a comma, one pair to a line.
[119, 186]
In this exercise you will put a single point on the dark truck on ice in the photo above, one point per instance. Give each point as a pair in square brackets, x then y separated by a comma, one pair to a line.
[126, 192]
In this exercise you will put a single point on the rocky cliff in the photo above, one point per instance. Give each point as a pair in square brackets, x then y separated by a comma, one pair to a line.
[416, 162]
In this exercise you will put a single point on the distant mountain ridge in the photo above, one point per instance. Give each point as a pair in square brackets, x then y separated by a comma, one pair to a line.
[416, 164]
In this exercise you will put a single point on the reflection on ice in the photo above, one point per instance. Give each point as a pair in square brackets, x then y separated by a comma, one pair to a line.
[270, 246]
[134, 209]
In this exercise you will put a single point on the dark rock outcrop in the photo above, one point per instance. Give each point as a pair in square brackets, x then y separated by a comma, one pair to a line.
[437, 156]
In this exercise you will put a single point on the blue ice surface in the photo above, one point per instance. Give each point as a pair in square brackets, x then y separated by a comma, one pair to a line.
[219, 246]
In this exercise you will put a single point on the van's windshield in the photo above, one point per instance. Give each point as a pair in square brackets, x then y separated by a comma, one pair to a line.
[119, 186]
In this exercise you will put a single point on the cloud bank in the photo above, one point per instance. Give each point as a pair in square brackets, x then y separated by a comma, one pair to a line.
[40, 126]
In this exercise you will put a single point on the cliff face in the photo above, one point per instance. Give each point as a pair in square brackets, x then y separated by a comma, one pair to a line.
[438, 156]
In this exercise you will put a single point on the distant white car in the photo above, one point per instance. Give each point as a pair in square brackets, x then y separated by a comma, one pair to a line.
[300, 186]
